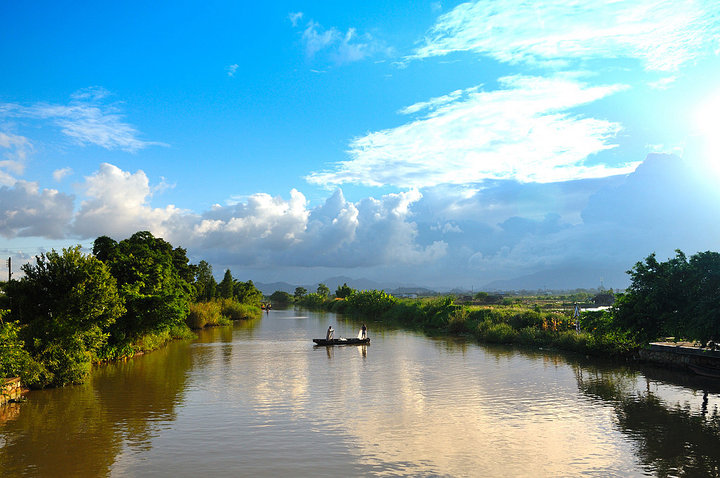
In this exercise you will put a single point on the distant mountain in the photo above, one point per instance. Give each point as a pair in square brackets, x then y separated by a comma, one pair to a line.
[407, 291]
[333, 283]
[560, 278]
[268, 289]
[563, 278]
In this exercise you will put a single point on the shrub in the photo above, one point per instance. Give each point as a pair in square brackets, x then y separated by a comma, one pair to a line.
[499, 334]
[458, 321]
[14, 359]
[203, 314]
[236, 311]
[371, 303]
[312, 300]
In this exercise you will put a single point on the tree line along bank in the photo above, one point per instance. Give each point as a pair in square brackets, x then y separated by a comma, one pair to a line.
[678, 299]
[71, 310]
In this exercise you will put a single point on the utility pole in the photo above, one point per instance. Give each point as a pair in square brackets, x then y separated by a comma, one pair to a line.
[9, 264]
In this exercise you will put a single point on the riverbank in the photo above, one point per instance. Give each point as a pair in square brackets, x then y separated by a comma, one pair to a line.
[524, 325]
[10, 390]
[28, 369]
[493, 324]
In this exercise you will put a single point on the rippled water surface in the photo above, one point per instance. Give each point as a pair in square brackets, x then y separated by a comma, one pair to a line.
[258, 399]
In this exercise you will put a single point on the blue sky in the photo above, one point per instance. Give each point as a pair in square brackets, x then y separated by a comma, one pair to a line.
[445, 144]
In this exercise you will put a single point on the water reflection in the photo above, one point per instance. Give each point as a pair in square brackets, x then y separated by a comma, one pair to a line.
[259, 399]
[80, 430]
[676, 431]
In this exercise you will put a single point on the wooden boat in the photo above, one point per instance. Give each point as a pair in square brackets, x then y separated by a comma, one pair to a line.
[341, 341]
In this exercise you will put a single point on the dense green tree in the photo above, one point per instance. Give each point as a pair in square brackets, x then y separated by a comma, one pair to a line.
[211, 291]
[225, 288]
[66, 302]
[156, 294]
[323, 290]
[604, 298]
[103, 247]
[203, 278]
[655, 299]
[280, 298]
[481, 297]
[344, 291]
[247, 293]
[14, 357]
[704, 301]
[677, 297]
[300, 292]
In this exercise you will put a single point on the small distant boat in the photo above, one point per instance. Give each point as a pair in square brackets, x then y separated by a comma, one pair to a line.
[341, 341]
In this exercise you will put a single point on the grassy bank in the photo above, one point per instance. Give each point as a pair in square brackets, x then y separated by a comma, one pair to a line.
[220, 312]
[515, 323]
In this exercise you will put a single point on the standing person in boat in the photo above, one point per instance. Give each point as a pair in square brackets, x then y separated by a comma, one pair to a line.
[330, 333]
[363, 332]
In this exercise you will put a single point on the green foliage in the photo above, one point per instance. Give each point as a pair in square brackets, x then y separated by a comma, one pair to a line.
[323, 290]
[512, 324]
[66, 304]
[237, 311]
[153, 281]
[15, 360]
[300, 292]
[481, 297]
[205, 285]
[225, 288]
[677, 297]
[312, 300]
[203, 314]
[247, 293]
[370, 303]
[280, 298]
[343, 291]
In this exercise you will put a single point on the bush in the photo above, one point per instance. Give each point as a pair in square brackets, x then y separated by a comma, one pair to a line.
[312, 300]
[499, 334]
[203, 314]
[371, 303]
[15, 361]
[236, 311]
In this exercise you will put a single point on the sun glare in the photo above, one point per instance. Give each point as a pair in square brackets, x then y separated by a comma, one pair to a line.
[706, 125]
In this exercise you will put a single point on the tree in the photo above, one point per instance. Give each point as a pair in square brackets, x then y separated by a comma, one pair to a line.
[66, 303]
[481, 297]
[280, 298]
[225, 288]
[323, 290]
[344, 291]
[677, 297]
[704, 301]
[103, 247]
[300, 292]
[247, 293]
[654, 302]
[151, 278]
[203, 278]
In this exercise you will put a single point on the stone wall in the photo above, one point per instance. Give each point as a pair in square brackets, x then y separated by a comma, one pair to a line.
[680, 356]
[10, 389]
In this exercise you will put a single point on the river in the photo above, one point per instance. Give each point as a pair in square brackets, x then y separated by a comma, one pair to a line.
[258, 399]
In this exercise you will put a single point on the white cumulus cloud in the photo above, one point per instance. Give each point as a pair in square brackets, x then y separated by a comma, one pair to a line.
[59, 174]
[117, 202]
[26, 210]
